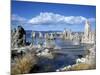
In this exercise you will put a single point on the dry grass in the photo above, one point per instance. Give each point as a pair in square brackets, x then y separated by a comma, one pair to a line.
[24, 64]
[82, 66]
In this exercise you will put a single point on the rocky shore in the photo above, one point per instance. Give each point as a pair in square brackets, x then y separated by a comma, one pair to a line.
[85, 63]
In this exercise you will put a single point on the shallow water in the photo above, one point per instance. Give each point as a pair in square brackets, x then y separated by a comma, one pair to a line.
[67, 55]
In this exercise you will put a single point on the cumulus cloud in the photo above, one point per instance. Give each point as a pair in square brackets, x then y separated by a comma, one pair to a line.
[52, 18]
[48, 18]
[15, 17]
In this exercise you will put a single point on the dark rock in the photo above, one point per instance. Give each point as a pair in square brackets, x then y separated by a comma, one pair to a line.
[35, 69]
[19, 37]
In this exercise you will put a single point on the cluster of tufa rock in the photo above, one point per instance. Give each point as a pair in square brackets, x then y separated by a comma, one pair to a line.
[18, 37]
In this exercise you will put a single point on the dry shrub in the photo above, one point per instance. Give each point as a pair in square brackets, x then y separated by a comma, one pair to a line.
[24, 64]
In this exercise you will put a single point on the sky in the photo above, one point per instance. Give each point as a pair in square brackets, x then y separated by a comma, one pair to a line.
[40, 16]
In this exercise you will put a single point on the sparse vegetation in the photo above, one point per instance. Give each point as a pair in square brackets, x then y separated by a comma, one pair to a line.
[82, 66]
[24, 64]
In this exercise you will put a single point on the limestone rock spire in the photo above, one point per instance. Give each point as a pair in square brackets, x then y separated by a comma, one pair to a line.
[87, 28]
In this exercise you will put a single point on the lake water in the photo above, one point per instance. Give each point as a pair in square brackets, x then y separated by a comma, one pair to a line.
[67, 57]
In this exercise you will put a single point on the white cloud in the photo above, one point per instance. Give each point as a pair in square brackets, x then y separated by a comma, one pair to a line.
[48, 18]
[51, 18]
[92, 19]
[15, 17]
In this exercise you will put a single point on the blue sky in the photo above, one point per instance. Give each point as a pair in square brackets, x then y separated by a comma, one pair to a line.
[50, 16]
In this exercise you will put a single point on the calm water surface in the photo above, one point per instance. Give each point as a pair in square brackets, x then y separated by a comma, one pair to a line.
[67, 57]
